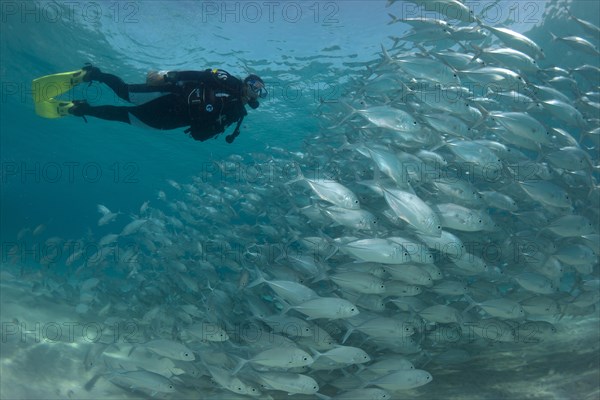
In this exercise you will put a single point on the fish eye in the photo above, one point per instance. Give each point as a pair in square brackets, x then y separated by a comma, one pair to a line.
[439, 227]
[414, 122]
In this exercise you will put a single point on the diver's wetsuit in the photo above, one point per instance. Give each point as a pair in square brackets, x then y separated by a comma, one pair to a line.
[206, 101]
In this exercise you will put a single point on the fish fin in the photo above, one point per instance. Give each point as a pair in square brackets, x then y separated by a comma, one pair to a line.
[285, 307]
[347, 334]
[241, 363]
[394, 19]
[423, 50]
[314, 352]
[386, 57]
[363, 382]
[256, 282]
[484, 115]
[352, 111]
[478, 52]
[321, 276]
[300, 176]
[471, 305]
[132, 350]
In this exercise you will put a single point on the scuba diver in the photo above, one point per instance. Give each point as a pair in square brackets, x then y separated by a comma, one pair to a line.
[207, 101]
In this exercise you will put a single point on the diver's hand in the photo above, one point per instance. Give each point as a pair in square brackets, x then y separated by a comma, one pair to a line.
[156, 78]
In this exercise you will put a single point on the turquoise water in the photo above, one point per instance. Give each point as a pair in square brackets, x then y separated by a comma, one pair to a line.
[128, 39]
[55, 172]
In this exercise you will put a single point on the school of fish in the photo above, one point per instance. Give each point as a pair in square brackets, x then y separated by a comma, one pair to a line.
[453, 187]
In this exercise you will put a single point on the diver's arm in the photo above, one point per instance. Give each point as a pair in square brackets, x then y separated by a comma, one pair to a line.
[186, 76]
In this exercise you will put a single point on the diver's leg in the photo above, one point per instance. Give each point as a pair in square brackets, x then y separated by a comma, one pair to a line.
[166, 112]
[133, 93]
[112, 113]
[142, 93]
[112, 81]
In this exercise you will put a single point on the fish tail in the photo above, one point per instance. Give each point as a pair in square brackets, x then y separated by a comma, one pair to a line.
[352, 111]
[285, 307]
[484, 115]
[257, 281]
[314, 353]
[471, 305]
[478, 52]
[321, 276]
[300, 176]
[331, 242]
[394, 19]
[386, 56]
[241, 363]
[348, 333]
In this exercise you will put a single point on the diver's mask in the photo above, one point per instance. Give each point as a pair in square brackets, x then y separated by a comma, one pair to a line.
[257, 89]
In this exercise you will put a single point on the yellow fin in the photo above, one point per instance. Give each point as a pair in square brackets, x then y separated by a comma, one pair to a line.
[47, 87]
[53, 108]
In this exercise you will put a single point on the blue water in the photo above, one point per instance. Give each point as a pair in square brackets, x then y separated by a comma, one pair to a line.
[304, 50]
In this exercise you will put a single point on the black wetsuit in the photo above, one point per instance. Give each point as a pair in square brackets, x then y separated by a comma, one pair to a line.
[206, 101]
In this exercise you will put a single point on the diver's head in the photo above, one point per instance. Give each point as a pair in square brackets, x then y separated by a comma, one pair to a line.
[254, 88]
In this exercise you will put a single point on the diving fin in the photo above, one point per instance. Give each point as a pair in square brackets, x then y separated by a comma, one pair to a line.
[53, 108]
[47, 87]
